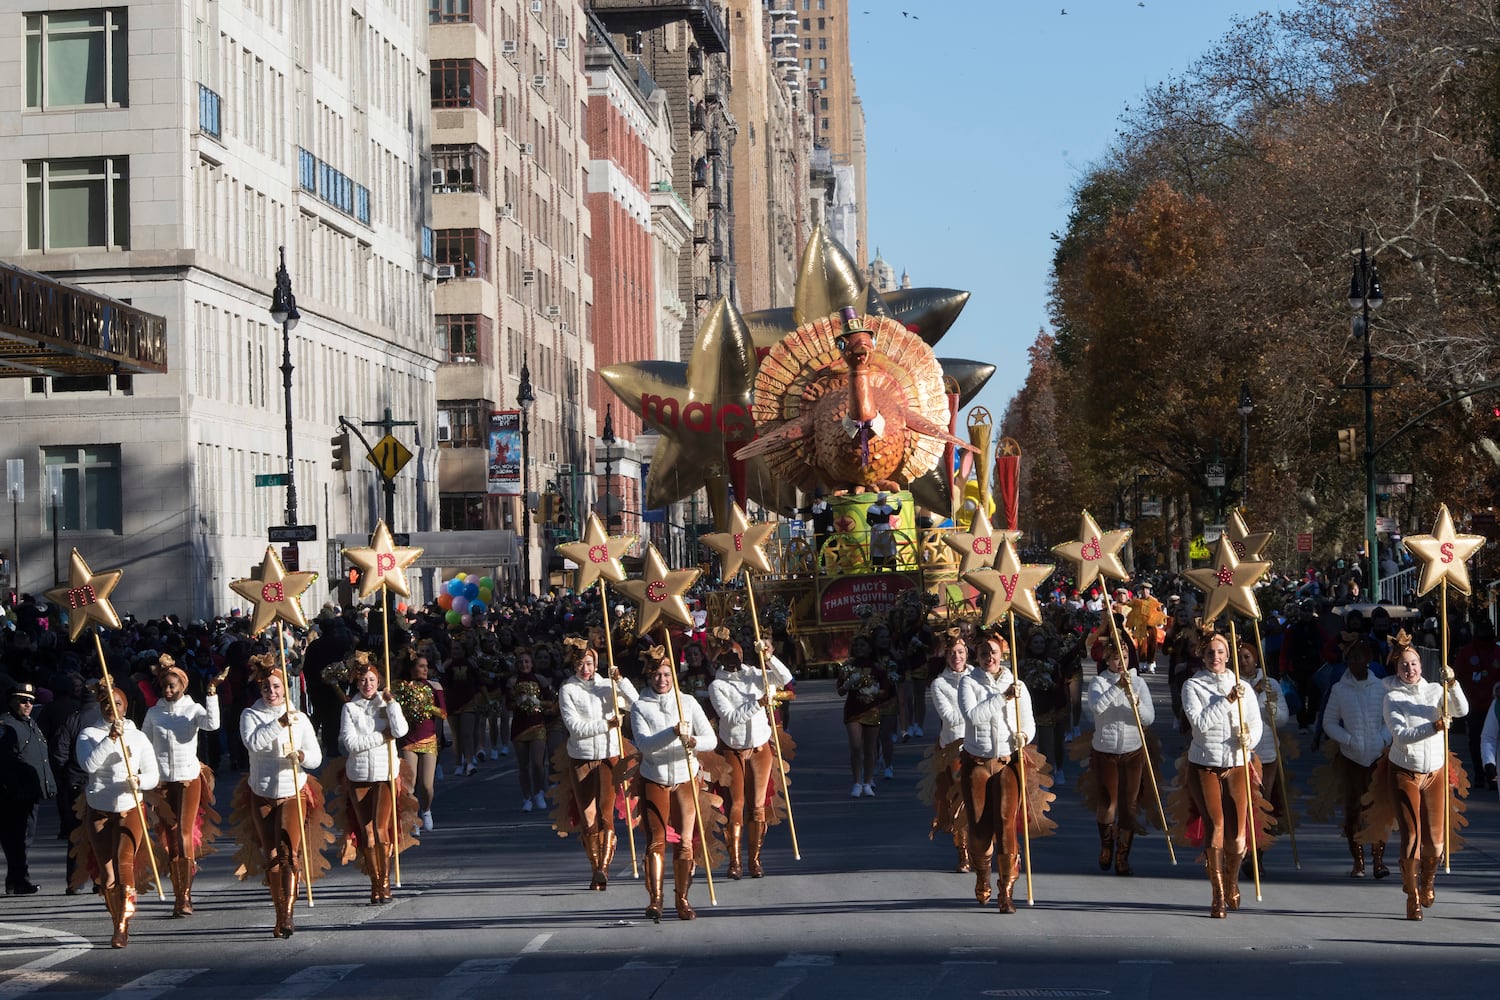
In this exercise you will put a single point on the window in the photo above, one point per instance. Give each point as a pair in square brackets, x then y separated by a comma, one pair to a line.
[87, 481]
[76, 57]
[823, 65]
[806, 22]
[822, 24]
[822, 104]
[455, 12]
[463, 168]
[467, 422]
[459, 83]
[464, 511]
[825, 124]
[462, 338]
[807, 65]
[78, 203]
[823, 44]
[468, 250]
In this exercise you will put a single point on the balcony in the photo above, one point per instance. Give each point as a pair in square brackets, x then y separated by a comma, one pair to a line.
[702, 290]
[716, 251]
[715, 145]
[697, 120]
[626, 17]
[700, 232]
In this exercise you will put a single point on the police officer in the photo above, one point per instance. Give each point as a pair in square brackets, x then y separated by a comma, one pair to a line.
[25, 782]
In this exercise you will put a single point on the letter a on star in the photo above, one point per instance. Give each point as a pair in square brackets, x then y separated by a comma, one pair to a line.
[275, 593]
[1096, 553]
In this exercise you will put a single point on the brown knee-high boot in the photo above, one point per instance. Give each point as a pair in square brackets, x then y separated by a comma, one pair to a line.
[1427, 878]
[372, 868]
[1357, 852]
[980, 862]
[655, 863]
[607, 842]
[755, 830]
[274, 881]
[121, 898]
[733, 839]
[289, 878]
[1377, 860]
[1106, 846]
[1231, 879]
[1409, 884]
[1007, 873]
[591, 849]
[682, 880]
[1213, 861]
[961, 844]
[177, 871]
[1122, 852]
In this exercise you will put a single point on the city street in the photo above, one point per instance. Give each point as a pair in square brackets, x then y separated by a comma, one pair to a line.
[495, 905]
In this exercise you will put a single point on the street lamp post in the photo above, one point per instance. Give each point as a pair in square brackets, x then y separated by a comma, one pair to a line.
[524, 398]
[608, 438]
[1365, 294]
[1244, 409]
[284, 311]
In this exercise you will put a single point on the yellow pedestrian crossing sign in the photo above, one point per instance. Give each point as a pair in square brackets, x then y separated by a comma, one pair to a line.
[389, 456]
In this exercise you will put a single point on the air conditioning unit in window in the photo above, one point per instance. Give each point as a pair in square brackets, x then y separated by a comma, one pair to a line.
[507, 211]
[446, 272]
[539, 82]
[565, 469]
[525, 149]
[528, 276]
[508, 47]
[439, 177]
[445, 433]
[554, 311]
[561, 42]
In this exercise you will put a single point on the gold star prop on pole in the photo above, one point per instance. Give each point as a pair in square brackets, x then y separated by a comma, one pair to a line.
[597, 554]
[977, 547]
[275, 593]
[1009, 585]
[1443, 554]
[1096, 553]
[1247, 544]
[743, 544]
[659, 592]
[1228, 583]
[86, 597]
[383, 562]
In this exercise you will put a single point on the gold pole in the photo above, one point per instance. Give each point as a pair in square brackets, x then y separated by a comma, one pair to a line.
[1020, 751]
[765, 680]
[1442, 679]
[614, 695]
[390, 743]
[291, 740]
[1245, 749]
[1114, 631]
[140, 803]
[708, 868]
[1286, 798]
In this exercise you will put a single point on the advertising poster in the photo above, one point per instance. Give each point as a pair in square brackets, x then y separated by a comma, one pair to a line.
[505, 453]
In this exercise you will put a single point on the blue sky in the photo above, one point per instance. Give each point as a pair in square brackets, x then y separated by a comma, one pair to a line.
[981, 116]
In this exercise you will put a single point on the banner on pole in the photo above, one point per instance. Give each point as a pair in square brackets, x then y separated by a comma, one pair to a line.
[505, 453]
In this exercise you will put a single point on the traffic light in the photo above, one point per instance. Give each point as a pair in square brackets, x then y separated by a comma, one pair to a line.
[1346, 445]
[342, 462]
[544, 507]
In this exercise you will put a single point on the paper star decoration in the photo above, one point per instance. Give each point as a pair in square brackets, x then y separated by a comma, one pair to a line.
[597, 555]
[1247, 544]
[86, 597]
[1096, 553]
[275, 593]
[659, 592]
[977, 547]
[1009, 586]
[1443, 554]
[383, 562]
[1228, 583]
[742, 545]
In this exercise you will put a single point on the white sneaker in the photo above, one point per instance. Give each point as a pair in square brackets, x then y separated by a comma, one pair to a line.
[427, 820]
[916, 730]
[472, 768]
[870, 791]
[890, 773]
[494, 754]
[526, 805]
[857, 791]
[541, 800]
[416, 831]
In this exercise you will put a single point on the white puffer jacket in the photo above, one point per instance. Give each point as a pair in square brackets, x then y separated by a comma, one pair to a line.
[1355, 718]
[1216, 720]
[1265, 748]
[362, 730]
[100, 756]
[1410, 710]
[1115, 730]
[944, 688]
[173, 728]
[990, 717]
[587, 709]
[653, 721]
[268, 743]
[735, 696]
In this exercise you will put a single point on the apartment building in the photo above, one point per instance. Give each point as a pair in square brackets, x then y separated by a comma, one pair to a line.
[837, 113]
[160, 152]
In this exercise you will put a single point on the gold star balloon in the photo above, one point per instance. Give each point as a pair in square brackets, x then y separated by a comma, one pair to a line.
[1247, 544]
[1096, 553]
[1009, 586]
[1228, 583]
[86, 597]
[977, 547]
[659, 592]
[742, 545]
[1443, 554]
[597, 555]
[383, 562]
[275, 593]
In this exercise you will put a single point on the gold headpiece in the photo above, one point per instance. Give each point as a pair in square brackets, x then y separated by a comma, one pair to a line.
[262, 666]
[1400, 643]
[575, 642]
[654, 654]
[165, 666]
[721, 633]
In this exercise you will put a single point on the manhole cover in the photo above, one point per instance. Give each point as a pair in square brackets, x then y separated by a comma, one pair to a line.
[1048, 991]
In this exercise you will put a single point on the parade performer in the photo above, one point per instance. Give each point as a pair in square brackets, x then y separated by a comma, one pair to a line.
[1416, 713]
[662, 735]
[1214, 704]
[1355, 724]
[866, 686]
[740, 699]
[424, 707]
[185, 798]
[948, 815]
[591, 706]
[371, 721]
[113, 823]
[1118, 758]
[991, 698]
[282, 748]
[1270, 700]
[530, 694]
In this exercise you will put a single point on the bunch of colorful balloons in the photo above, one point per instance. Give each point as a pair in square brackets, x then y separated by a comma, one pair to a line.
[465, 596]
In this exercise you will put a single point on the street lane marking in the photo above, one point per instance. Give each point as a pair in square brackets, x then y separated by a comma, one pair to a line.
[154, 984]
[309, 982]
[32, 975]
[29, 982]
[797, 959]
[535, 944]
[483, 967]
